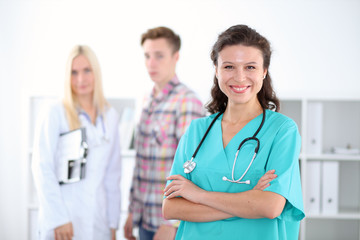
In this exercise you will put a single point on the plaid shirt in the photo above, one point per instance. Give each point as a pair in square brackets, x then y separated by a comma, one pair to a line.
[163, 121]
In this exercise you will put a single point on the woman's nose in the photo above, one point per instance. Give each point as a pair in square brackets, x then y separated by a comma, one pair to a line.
[80, 77]
[239, 75]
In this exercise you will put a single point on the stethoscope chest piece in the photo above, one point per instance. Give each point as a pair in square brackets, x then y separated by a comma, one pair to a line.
[189, 166]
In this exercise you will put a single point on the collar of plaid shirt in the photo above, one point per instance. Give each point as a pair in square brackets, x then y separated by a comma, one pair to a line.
[165, 91]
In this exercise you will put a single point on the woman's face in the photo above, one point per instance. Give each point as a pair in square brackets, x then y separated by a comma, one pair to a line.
[82, 77]
[240, 73]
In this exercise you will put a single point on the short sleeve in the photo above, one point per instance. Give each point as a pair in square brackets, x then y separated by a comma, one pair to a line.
[284, 159]
[180, 156]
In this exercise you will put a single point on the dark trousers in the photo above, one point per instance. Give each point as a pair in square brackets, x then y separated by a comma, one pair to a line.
[145, 234]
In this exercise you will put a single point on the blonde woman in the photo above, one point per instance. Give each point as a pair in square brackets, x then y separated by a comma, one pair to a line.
[90, 208]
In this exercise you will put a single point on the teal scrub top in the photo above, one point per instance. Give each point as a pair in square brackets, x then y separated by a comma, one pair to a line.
[279, 149]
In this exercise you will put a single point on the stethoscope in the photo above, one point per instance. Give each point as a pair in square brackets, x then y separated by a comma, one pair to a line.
[100, 137]
[189, 165]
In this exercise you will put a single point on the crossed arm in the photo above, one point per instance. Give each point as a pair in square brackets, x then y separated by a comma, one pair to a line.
[197, 205]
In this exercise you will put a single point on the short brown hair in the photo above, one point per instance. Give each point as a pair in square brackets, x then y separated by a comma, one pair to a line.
[162, 32]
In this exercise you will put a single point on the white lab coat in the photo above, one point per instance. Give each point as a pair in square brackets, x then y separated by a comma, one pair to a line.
[93, 204]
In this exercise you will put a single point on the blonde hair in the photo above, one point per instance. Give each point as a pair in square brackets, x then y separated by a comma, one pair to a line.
[70, 100]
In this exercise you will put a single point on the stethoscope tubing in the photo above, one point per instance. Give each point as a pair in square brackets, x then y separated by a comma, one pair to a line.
[190, 164]
[206, 133]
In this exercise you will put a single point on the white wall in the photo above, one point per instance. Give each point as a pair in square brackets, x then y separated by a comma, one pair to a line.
[315, 42]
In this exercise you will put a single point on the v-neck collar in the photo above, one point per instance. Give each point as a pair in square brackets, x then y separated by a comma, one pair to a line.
[247, 131]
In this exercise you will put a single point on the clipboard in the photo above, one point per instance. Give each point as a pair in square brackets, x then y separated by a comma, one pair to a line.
[71, 156]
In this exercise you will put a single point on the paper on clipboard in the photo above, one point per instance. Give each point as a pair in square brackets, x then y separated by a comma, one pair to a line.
[71, 156]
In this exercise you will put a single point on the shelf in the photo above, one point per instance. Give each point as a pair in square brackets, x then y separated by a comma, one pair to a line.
[331, 99]
[332, 157]
[344, 216]
[326, 123]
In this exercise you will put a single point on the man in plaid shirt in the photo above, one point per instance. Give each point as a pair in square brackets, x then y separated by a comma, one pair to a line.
[164, 119]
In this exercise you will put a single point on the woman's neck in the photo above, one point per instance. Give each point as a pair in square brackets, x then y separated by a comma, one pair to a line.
[87, 104]
[242, 112]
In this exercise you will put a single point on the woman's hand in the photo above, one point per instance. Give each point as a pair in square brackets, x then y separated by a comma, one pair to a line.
[113, 233]
[265, 180]
[64, 232]
[182, 187]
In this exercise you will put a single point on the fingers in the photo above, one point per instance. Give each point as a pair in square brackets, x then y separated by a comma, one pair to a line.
[172, 195]
[71, 232]
[175, 188]
[128, 232]
[69, 235]
[269, 175]
[262, 187]
[128, 228]
[172, 191]
[173, 177]
[129, 236]
[62, 236]
[265, 180]
[168, 187]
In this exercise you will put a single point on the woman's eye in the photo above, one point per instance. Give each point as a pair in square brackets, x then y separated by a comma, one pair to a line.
[73, 73]
[87, 70]
[159, 56]
[250, 67]
[228, 67]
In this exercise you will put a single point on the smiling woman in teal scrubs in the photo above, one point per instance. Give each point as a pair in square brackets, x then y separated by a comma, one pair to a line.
[210, 200]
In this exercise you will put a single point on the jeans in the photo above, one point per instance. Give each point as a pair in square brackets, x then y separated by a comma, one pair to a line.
[145, 234]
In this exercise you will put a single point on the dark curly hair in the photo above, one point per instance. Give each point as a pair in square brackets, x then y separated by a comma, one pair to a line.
[244, 35]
